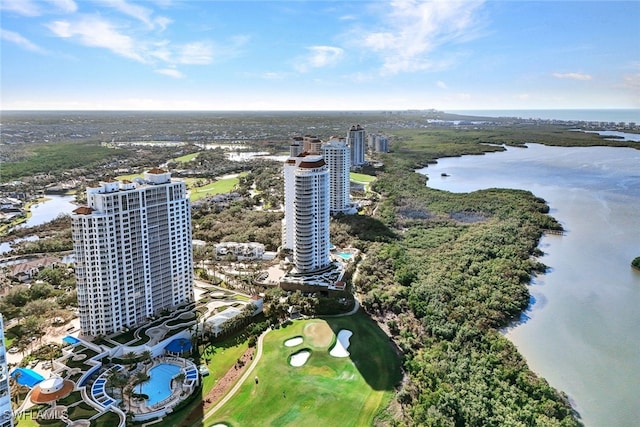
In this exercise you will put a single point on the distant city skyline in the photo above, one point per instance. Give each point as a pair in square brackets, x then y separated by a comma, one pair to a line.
[318, 55]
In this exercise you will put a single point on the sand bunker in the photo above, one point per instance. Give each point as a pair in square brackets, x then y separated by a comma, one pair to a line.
[342, 344]
[300, 358]
[293, 342]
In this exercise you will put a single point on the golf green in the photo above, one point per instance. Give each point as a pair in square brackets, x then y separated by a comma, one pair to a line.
[325, 390]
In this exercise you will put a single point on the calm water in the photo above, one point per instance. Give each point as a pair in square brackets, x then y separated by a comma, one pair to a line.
[582, 332]
[49, 210]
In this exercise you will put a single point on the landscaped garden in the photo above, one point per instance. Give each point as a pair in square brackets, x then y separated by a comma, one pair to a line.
[325, 388]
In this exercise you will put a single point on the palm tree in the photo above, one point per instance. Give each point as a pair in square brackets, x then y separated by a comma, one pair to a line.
[15, 385]
[180, 378]
[128, 391]
[118, 381]
[129, 357]
[147, 356]
[141, 377]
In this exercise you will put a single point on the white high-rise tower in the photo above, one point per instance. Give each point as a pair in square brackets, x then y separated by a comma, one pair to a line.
[133, 251]
[6, 413]
[336, 155]
[305, 228]
[357, 143]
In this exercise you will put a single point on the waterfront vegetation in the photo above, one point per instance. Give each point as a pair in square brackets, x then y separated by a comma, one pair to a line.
[636, 262]
[455, 273]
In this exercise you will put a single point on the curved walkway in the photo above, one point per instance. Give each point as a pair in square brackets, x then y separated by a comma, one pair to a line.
[251, 367]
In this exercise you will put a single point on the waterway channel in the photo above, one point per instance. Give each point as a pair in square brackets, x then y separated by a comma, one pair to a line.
[582, 330]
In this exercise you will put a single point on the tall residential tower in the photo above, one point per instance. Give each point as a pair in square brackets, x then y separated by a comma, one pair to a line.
[133, 251]
[305, 228]
[357, 143]
[336, 155]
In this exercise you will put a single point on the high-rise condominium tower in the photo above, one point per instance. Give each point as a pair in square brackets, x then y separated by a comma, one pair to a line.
[336, 155]
[305, 227]
[133, 251]
[357, 143]
[6, 414]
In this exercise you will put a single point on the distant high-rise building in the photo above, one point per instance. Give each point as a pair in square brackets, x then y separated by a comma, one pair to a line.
[378, 143]
[357, 143]
[133, 251]
[311, 144]
[336, 155]
[296, 147]
[305, 227]
[6, 413]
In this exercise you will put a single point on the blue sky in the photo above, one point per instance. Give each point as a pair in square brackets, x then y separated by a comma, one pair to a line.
[318, 55]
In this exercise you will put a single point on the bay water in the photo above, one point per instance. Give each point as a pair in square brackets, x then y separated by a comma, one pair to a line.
[582, 329]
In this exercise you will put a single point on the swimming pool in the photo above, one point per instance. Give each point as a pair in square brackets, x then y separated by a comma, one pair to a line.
[158, 387]
[26, 376]
[70, 340]
[345, 255]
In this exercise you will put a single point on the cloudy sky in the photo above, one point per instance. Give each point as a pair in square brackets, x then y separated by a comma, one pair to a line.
[318, 55]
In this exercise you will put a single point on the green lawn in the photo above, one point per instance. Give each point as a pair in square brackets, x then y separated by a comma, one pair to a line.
[361, 178]
[186, 158]
[326, 390]
[221, 186]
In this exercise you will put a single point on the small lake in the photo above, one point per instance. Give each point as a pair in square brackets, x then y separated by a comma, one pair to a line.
[6, 246]
[582, 331]
[48, 210]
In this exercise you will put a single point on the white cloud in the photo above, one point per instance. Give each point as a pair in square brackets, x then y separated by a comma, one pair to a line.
[318, 57]
[162, 51]
[97, 32]
[138, 12]
[572, 76]
[631, 81]
[21, 41]
[196, 53]
[68, 6]
[442, 85]
[171, 72]
[162, 22]
[415, 29]
[21, 7]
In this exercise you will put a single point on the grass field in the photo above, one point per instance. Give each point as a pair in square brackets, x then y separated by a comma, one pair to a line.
[186, 158]
[221, 186]
[361, 178]
[326, 390]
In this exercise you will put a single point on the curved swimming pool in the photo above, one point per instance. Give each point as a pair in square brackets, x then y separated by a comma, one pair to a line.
[158, 387]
